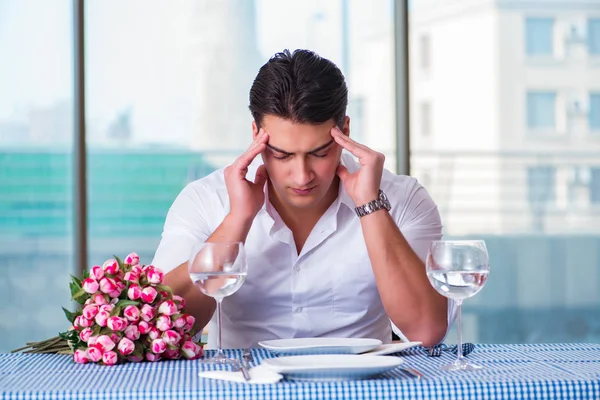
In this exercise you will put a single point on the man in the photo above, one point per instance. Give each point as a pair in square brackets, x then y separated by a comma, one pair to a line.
[316, 268]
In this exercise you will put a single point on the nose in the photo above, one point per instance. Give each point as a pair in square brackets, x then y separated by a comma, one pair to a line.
[303, 173]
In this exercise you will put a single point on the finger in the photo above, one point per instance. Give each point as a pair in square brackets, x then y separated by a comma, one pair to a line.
[249, 155]
[261, 176]
[353, 147]
[342, 172]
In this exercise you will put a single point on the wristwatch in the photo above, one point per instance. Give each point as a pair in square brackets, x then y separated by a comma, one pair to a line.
[380, 202]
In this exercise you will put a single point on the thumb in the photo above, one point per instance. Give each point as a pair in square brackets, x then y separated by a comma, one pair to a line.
[261, 176]
[342, 172]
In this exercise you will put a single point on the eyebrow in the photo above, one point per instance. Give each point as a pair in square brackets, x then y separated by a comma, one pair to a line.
[308, 152]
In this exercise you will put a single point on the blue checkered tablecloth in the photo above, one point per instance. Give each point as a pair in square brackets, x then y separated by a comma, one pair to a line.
[548, 371]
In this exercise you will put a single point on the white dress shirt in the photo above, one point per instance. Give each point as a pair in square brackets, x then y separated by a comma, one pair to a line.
[328, 289]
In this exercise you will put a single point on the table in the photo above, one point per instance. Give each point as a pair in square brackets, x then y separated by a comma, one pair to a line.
[548, 371]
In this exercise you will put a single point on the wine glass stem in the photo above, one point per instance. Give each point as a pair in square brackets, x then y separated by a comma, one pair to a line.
[459, 352]
[219, 349]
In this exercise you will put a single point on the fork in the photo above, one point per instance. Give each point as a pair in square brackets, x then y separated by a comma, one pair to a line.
[436, 350]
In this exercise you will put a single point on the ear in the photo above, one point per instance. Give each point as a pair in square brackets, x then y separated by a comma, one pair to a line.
[346, 126]
[254, 130]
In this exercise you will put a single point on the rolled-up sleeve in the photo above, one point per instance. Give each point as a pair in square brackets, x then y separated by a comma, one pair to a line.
[419, 221]
[187, 224]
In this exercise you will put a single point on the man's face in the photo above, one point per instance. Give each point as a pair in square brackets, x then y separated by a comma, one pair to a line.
[301, 160]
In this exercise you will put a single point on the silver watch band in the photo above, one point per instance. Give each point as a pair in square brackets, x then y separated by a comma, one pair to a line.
[381, 202]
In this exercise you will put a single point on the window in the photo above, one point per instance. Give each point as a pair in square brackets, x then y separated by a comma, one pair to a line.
[426, 122]
[541, 110]
[541, 182]
[425, 52]
[36, 163]
[539, 36]
[594, 112]
[593, 36]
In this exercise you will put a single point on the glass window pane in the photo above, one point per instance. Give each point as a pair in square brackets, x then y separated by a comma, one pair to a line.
[539, 36]
[533, 198]
[593, 36]
[36, 198]
[541, 110]
[168, 95]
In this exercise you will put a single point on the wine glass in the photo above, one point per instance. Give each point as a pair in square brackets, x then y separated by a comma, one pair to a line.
[218, 270]
[458, 269]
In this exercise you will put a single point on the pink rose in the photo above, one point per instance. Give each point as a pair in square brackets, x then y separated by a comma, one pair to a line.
[172, 354]
[191, 350]
[132, 313]
[189, 322]
[94, 353]
[120, 286]
[179, 323]
[126, 347]
[158, 346]
[134, 292]
[101, 318]
[149, 294]
[148, 312]
[180, 301]
[171, 338]
[99, 299]
[84, 322]
[106, 308]
[110, 358]
[130, 277]
[152, 357]
[85, 334]
[132, 259]
[154, 333]
[164, 323]
[92, 340]
[107, 285]
[115, 337]
[167, 307]
[132, 332]
[144, 327]
[105, 343]
[80, 356]
[90, 285]
[154, 275]
[114, 294]
[117, 324]
[97, 272]
[136, 269]
[90, 311]
[134, 358]
[111, 267]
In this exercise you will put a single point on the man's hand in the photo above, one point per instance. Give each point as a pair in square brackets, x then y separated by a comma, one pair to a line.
[245, 197]
[363, 185]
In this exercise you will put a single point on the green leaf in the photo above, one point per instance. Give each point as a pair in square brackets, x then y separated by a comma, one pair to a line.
[121, 265]
[81, 296]
[96, 330]
[125, 303]
[77, 281]
[70, 315]
[74, 288]
[165, 288]
[115, 311]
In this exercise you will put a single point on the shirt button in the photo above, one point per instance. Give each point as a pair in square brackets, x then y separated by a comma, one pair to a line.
[297, 268]
[298, 310]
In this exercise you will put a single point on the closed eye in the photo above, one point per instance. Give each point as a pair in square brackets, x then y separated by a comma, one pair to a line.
[281, 157]
[323, 155]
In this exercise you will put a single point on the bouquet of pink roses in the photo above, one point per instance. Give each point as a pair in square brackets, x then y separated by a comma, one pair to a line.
[127, 314]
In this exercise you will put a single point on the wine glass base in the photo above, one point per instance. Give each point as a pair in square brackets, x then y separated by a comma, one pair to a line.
[219, 359]
[461, 366]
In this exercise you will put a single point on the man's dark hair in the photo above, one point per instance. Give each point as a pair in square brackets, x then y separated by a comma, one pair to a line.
[300, 86]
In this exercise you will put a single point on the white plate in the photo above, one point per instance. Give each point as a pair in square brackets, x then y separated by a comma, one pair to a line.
[332, 366]
[307, 346]
[391, 348]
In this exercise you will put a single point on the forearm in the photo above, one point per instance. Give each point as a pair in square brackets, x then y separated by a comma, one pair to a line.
[407, 296]
[198, 304]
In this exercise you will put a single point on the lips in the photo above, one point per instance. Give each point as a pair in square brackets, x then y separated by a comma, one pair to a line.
[303, 192]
